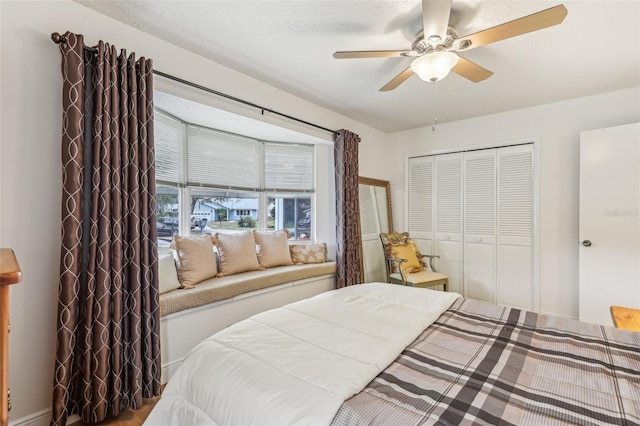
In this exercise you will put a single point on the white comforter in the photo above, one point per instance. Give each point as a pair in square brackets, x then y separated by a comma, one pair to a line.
[299, 363]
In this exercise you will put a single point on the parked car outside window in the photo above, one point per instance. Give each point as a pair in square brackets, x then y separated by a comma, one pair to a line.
[165, 230]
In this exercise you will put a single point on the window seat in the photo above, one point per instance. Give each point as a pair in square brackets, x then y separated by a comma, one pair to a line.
[210, 303]
[222, 288]
[190, 316]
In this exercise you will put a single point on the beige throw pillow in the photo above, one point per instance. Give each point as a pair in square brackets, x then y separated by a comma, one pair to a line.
[272, 248]
[167, 273]
[308, 253]
[196, 259]
[237, 252]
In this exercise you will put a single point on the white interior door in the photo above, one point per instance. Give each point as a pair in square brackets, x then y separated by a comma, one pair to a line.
[480, 225]
[420, 202]
[609, 221]
[448, 217]
[514, 270]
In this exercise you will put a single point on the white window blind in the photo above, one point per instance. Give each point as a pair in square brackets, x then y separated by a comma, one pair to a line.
[288, 167]
[169, 150]
[217, 159]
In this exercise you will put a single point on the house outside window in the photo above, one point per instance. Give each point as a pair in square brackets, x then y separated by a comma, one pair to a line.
[221, 182]
[292, 213]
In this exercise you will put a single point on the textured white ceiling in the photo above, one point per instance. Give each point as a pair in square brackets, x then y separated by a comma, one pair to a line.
[289, 44]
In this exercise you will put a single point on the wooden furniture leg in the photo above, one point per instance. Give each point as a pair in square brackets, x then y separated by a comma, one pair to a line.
[10, 273]
[4, 338]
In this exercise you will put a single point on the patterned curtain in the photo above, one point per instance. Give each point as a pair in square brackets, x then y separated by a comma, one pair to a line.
[348, 237]
[108, 341]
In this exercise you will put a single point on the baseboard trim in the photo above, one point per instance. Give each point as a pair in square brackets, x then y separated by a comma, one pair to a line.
[169, 369]
[558, 315]
[41, 418]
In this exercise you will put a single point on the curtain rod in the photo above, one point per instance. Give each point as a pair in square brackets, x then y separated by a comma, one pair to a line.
[57, 39]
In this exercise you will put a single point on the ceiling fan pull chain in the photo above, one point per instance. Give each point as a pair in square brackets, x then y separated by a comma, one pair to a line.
[435, 106]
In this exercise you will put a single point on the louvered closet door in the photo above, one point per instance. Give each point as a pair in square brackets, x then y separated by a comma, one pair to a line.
[448, 217]
[515, 227]
[480, 225]
[420, 203]
[373, 256]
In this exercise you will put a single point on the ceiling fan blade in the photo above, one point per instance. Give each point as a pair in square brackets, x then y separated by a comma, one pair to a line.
[471, 70]
[435, 18]
[370, 54]
[397, 80]
[526, 24]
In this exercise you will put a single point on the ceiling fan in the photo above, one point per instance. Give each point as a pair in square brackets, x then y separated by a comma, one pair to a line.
[435, 46]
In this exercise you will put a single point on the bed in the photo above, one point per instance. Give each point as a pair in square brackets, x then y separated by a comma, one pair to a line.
[386, 354]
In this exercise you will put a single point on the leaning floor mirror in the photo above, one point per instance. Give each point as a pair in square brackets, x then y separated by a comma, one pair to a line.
[375, 217]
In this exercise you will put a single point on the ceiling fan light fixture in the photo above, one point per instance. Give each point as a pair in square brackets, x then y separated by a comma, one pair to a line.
[434, 66]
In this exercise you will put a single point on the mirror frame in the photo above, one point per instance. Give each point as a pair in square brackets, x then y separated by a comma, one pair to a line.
[387, 187]
[381, 183]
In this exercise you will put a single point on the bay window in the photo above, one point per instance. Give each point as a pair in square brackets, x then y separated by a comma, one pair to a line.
[213, 181]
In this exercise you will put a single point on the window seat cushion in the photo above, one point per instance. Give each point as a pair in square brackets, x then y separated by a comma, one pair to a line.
[221, 288]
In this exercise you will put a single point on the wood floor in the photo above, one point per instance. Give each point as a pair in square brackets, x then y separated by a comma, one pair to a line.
[128, 417]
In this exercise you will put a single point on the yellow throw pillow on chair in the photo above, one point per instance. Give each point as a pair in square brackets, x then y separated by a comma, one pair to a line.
[408, 252]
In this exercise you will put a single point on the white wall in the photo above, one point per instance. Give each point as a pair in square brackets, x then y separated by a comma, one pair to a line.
[30, 176]
[558, 128]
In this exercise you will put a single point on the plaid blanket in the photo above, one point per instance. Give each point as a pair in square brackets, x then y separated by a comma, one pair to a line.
[488, 364]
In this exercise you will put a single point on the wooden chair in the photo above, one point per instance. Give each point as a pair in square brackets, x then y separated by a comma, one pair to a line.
[405, 264]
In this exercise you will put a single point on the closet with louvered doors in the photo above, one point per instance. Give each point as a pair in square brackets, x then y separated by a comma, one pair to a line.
[479, 204]
[514, 243]
[448, 234]
[434, 208]
[480, 225]
[420, 202]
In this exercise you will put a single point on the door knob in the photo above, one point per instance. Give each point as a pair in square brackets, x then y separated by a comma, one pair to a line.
[586, 243]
